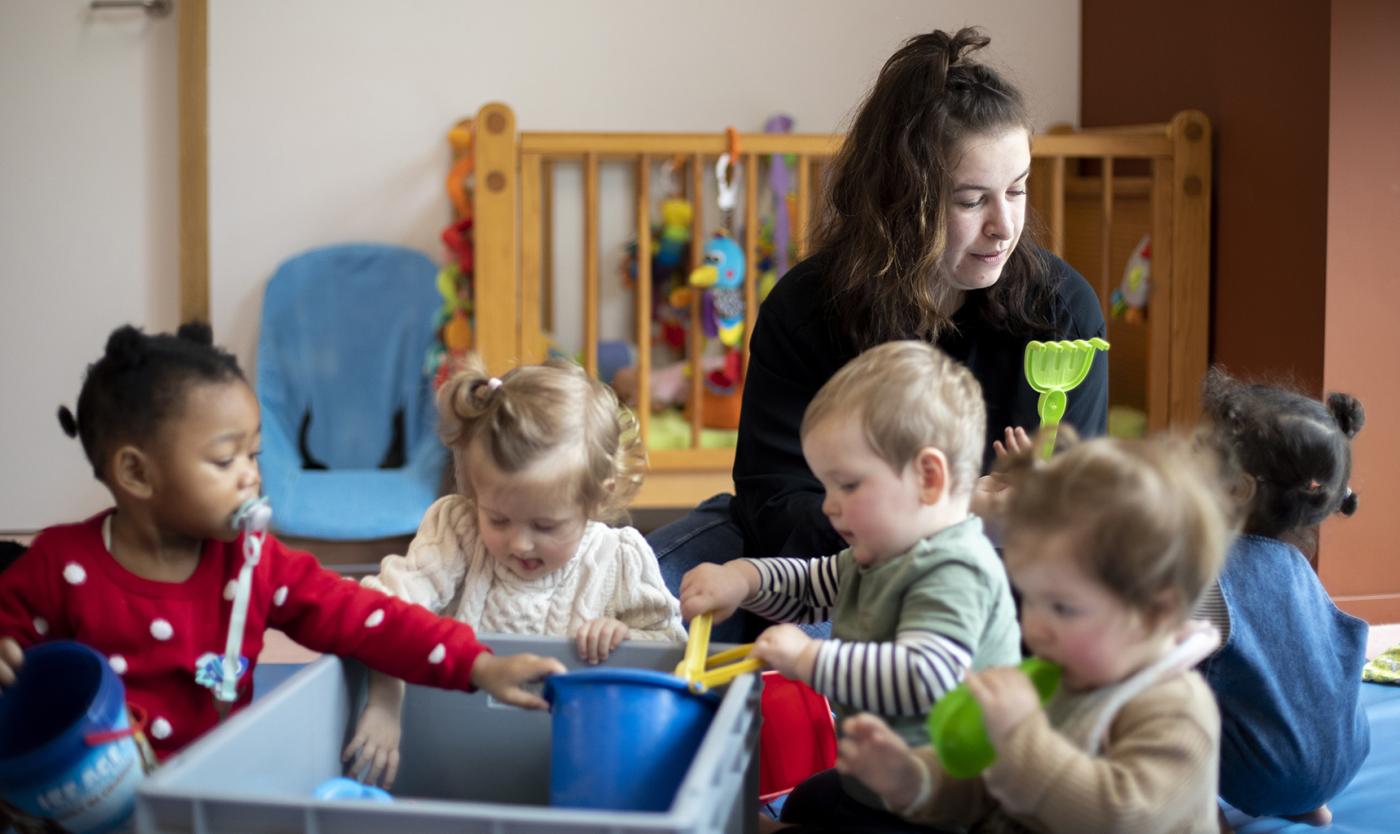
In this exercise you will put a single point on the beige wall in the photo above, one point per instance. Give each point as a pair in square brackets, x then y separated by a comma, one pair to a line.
[326, 124]
[327, 117]
[88, 227]
[1359, 564]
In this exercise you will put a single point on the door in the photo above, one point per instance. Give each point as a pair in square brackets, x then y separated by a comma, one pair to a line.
[88, 227]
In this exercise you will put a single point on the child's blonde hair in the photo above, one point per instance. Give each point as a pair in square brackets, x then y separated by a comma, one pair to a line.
[536, 410]
[1146, 517]
[909, 395]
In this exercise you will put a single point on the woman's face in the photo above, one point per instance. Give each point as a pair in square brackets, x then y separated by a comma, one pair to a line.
[986, 207]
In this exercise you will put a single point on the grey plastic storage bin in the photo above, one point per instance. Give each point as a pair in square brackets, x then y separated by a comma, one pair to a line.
[469, 763]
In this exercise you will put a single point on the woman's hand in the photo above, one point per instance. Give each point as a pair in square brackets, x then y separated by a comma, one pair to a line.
[717, 589]
[596, 638]
[11, 658]
[873, 753]
[504, 677]
[788, 649]
[1007, 698]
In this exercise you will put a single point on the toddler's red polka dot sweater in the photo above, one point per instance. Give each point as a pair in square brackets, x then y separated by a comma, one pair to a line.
[153, 634]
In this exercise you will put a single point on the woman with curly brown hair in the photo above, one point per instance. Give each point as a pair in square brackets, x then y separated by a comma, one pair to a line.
[924, 237]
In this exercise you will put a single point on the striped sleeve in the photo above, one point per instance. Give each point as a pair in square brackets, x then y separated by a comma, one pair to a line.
[905, 677]
[795, 590]
[1212, 609]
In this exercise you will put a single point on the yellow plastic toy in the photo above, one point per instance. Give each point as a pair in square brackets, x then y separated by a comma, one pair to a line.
[702, 673]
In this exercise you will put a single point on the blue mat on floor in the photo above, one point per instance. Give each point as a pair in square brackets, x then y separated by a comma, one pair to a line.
[1371, 803]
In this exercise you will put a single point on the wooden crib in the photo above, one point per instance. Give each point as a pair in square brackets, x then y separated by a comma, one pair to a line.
[1095, 192]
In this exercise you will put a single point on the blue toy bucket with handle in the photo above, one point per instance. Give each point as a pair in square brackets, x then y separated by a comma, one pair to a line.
[622, 739]
[66, 746]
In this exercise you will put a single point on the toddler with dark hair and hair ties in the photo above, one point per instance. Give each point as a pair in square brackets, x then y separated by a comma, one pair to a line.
[172, 429]
[1288, 674]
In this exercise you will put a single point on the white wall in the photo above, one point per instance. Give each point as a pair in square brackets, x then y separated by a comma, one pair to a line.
[328, 117]
[88, 227]
[326, 124]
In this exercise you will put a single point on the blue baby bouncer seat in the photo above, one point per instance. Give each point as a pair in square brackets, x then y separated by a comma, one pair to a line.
[349, 443]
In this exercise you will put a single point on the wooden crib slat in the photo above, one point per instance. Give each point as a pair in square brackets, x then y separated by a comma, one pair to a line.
[1057, 205]
[1106, 242]
[547, 245]
[643, 306]
[697, 336]
[1159, 301]
[533, 342]
[751, 221]
[804, 204]
[590, 263]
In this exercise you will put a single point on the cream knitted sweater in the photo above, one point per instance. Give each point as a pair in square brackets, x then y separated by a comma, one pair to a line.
[612, 574]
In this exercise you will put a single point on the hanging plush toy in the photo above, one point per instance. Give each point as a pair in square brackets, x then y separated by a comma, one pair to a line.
[1129, 301]
[723, 275]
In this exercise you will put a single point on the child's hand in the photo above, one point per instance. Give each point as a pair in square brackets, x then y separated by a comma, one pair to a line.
[715, 589]
[788, 649]
[11, 658]
[503, 676]
[375, 746]
[1017, 441]
[1007, 698]
[599, 637]
[873, 753]
[993, 492]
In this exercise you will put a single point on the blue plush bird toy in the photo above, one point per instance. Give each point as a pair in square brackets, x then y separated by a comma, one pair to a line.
[723, 276]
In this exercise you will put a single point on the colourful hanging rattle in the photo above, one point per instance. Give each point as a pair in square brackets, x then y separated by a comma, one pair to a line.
[703, 673]
[1054, 369]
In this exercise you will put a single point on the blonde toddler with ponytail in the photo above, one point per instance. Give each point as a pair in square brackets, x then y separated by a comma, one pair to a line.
[546, 460]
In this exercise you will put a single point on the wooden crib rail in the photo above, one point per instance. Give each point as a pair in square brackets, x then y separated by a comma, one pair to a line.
[1085, 184]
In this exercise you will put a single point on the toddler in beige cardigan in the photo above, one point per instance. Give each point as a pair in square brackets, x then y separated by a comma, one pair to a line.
[1110, 544]
[544, 458]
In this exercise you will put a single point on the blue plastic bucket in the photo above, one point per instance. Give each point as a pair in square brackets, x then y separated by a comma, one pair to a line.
[622, 739]
[66, 751]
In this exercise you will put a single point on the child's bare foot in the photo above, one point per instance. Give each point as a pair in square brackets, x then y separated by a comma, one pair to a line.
[1321, 816]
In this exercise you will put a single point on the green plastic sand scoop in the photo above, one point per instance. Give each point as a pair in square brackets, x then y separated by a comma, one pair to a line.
[1054, 369]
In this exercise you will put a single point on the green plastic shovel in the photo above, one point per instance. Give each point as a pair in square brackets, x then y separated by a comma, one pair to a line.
[1054, 369]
